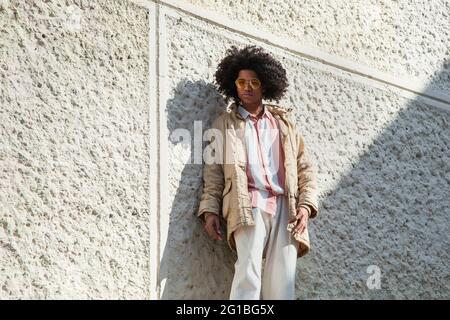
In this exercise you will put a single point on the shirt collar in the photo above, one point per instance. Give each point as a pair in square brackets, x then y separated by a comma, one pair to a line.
[244, 113]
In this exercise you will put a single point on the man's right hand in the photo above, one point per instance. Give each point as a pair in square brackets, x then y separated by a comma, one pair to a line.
[212, 226]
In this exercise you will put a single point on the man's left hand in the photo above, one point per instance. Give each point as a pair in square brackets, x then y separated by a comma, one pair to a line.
[302, 220]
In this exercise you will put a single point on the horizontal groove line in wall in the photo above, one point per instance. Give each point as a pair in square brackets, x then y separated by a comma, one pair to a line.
[413, 86]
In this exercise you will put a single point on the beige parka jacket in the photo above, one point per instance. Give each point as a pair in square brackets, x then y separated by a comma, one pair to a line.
[225, 189]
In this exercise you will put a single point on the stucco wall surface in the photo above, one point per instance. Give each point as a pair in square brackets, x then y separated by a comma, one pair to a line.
[407, 38]
[384, 173]
[80, 81]
[74, 150]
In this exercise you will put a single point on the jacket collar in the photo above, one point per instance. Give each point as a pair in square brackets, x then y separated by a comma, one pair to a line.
[274, 109]
[277, 111]
[245, 114]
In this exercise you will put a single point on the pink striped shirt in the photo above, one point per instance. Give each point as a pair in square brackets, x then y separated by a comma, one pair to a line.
[265, 162]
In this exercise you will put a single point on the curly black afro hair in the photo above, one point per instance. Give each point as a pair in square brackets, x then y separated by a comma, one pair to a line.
[270, 72]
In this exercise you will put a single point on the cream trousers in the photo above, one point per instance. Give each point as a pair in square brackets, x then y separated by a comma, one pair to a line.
[270, 239]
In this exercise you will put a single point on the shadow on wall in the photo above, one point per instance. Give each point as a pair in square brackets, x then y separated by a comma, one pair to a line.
[390, 211]
[192, 265]
[383, 230]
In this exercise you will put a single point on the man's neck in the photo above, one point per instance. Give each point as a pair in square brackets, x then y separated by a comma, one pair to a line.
[255, 110]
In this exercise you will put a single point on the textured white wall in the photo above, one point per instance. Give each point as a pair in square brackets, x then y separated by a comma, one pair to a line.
[81, 81]
[74, 153]
[384, 171]
[408, 38]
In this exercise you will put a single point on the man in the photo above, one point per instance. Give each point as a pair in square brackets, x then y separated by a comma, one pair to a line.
[264, 187]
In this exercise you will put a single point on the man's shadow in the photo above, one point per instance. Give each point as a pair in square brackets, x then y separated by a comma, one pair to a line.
[191, 263]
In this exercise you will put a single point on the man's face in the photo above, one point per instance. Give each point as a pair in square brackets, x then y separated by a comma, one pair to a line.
[249, 95]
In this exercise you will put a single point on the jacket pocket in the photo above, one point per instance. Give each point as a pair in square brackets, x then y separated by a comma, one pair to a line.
[227, 187]
[226, 198]
[293, 201]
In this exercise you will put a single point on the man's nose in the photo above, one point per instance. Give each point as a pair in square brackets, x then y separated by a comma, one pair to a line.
[247, 85]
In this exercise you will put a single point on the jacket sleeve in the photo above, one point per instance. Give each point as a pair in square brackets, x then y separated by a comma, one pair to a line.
[307, 179]
[213, 181]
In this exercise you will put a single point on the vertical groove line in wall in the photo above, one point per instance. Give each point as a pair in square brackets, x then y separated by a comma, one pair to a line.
[164, 159]
[154, 149]
[158, 107]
